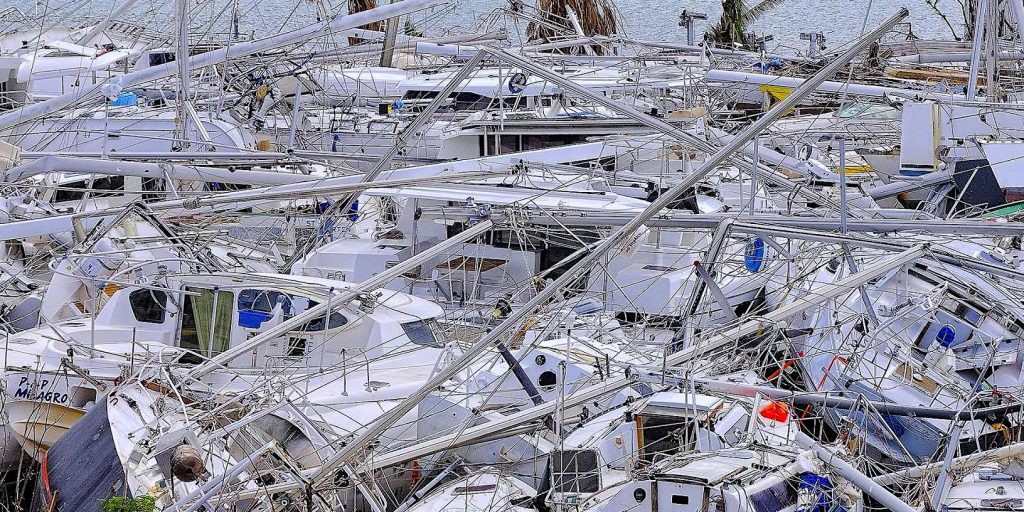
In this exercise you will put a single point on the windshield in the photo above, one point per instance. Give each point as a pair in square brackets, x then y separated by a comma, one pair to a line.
[867, 110]
[261, 305]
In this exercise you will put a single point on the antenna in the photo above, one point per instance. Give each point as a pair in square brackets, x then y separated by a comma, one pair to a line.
[687, 19]
[816, 43]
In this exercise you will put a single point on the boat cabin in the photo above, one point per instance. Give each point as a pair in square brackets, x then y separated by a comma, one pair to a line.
[208, 314]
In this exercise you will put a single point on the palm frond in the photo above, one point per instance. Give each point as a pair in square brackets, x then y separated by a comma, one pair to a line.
[355, 6]
[755, 12]
[597, 17]
[736, 17]
[731, 27]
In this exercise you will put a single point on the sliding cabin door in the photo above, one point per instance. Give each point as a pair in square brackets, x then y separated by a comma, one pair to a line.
[206, 322]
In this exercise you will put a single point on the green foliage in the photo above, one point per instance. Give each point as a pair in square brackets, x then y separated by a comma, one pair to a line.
[596, 17]
[144, 503]
[733, 26]
[411, 30]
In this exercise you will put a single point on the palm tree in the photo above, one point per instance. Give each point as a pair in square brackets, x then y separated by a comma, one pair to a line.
[733, 26]
[355, 6]
[597, 17]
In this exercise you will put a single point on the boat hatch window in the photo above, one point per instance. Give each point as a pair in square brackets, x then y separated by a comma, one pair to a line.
[148, 306]
[473, 489]
[948, 329]
[343, 125]
[659, 268]
[200, 319]
[423, 332]
[574, 471]
[382, 127]
[777, 497]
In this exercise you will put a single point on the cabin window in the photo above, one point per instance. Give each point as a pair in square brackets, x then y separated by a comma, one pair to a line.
[423, 332]
[470, 101]
[474, 489]
[73, 191]
[296, 347]
[199, 318]
[156, 59]
[504, 102]
[575, 471]
[508, 144]
[6, 100]
[148, 305]
[301, 304]
[337, 320]
[108, 186]
[551, 140]
[420, 95]
[659, 268]
[108, 183]
[76, 190]
[507, 239]
[663, 436]
[153, 189]
[551, 256]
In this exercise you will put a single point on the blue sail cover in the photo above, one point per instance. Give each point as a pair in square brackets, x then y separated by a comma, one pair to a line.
[82, 469]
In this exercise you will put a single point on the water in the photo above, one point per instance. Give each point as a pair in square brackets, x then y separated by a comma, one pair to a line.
[840, 20]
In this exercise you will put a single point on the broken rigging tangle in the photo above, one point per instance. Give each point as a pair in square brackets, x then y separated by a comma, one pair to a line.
[533, 266]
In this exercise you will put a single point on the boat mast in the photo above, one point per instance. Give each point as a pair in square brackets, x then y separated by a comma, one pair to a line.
[979, 23]
[387, 53]
[182, 58]
[992, 51]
